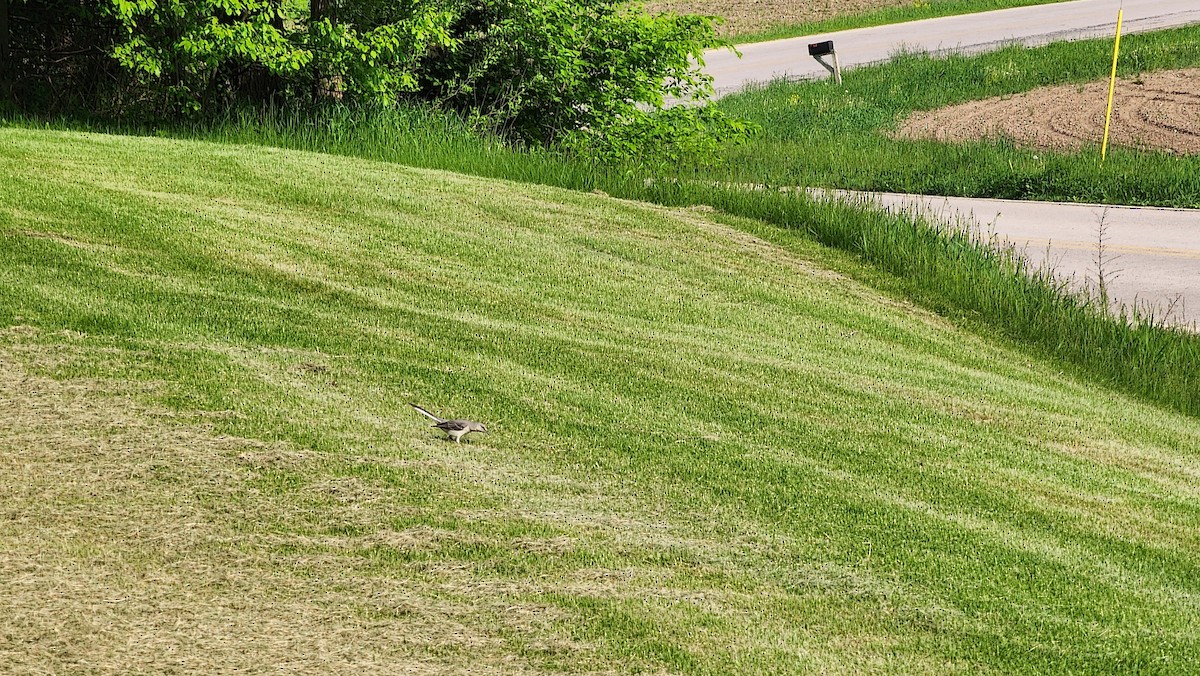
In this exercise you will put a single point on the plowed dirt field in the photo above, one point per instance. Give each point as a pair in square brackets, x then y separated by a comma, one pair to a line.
[1151, 111]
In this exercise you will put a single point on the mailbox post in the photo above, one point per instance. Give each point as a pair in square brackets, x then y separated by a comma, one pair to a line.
[817, 50]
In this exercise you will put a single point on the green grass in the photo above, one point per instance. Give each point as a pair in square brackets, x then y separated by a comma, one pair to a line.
[927, 9]
[712, 452]
[815, 134]
[941, 269]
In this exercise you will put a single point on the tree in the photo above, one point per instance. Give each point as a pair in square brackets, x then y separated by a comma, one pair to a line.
[168, 58]
[4, 53]
[546, 69]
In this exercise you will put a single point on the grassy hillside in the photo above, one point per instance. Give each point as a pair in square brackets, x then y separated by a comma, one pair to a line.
[711, 451]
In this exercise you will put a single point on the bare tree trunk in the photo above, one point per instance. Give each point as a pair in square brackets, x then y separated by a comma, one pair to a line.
[5, 55]
[317, 10]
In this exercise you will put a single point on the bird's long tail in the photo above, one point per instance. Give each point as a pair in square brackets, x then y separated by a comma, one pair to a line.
[427, 413]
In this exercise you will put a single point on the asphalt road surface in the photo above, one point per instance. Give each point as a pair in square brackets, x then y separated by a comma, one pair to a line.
[1039, 24]
[1151, 256]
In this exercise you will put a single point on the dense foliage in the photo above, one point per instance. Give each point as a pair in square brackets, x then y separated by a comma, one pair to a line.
[583, 74]
[168, 58]
[547, 67]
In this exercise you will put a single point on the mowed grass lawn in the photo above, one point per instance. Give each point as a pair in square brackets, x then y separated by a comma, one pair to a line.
[712, 451]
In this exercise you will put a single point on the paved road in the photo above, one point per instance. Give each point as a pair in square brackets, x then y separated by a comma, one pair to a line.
[1152, 256]
[1040, 24]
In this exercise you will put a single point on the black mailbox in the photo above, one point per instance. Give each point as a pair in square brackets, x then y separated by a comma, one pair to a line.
[820, 48]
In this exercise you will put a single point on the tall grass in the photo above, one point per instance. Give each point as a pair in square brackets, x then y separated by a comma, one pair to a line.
[410, 135]
[815, 134]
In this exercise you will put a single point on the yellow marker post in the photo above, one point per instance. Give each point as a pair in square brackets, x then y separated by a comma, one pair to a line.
[1112, 86]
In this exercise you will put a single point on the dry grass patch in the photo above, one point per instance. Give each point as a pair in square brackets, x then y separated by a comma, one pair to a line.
[129, 542]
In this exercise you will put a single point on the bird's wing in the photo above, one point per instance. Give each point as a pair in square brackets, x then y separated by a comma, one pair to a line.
[428, 414]
[453, 425]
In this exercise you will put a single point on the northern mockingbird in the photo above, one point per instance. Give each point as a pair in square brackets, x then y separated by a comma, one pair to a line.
[454, 429]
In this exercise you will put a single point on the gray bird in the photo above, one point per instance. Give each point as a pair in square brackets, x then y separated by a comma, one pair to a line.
[454, 429]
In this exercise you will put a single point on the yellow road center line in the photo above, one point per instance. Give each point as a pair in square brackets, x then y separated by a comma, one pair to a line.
[1108, 248]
